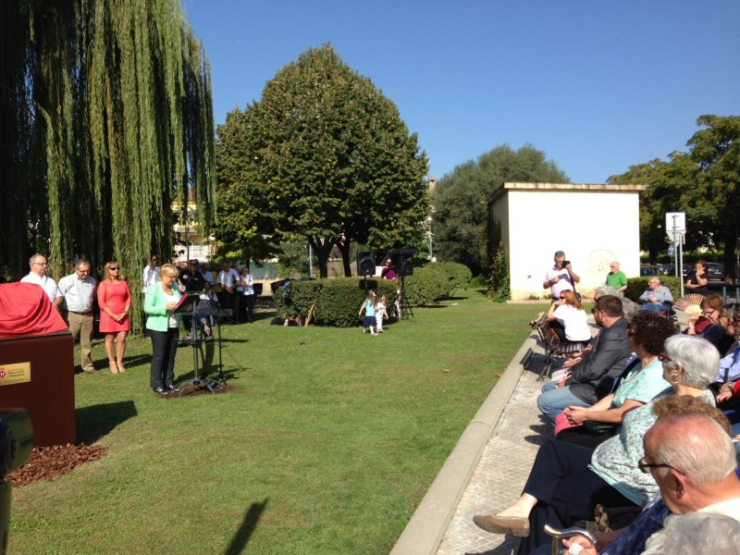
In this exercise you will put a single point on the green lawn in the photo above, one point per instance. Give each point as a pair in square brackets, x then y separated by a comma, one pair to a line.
[326, 443]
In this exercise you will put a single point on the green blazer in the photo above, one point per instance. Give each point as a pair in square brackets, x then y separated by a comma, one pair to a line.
[155, 301]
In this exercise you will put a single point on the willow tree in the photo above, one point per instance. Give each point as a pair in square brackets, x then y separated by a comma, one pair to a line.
[323, 156]
[107, 119]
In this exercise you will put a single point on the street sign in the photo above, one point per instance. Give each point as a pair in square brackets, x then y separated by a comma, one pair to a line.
[675, 225]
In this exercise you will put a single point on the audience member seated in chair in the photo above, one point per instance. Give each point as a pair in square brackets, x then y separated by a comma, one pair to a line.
[689, 453]
[655, 296]
[568, 319]
[593, 377]
[567, 481]
[711, 323]
[639, 384]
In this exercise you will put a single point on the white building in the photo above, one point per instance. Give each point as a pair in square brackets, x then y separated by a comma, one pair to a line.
[594, 224]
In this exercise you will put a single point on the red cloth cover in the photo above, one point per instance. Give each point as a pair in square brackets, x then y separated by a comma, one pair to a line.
[25, 310]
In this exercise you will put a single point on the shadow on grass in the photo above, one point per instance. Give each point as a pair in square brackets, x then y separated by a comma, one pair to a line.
[99, 420]
[251, 518]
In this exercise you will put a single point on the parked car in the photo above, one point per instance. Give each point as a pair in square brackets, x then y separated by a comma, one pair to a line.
[651, 270]
[716, 271]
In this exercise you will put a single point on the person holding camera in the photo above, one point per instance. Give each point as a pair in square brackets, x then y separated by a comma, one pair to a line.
[561, 277]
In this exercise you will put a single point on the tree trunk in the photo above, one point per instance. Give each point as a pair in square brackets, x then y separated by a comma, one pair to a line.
[729, 260]
[344, 247]
[322, 247]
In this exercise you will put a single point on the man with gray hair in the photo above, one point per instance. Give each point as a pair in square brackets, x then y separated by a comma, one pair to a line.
[561, 277]
[38, 265]
[655, 296]
[78, 291]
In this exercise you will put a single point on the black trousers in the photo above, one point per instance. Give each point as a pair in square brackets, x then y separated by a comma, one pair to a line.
[246, 308]
[164, 349]
[566, 490]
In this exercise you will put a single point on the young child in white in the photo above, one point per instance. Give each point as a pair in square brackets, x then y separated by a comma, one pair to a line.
[368, 307]
[380, 314]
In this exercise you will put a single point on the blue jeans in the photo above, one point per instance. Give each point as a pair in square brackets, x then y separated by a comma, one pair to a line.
[654, 307]
[553, 401]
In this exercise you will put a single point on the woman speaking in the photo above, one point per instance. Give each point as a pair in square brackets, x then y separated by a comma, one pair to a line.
[159, 301]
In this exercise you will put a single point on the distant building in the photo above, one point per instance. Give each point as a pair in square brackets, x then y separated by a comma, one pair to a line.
[594, 224]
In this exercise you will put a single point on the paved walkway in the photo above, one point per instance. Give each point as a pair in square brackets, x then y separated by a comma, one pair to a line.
[499, 477]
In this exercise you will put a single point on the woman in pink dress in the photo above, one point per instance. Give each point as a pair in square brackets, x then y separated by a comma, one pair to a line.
[114, 300]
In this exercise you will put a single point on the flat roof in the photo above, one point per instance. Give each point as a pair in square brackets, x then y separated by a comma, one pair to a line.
[568, 187]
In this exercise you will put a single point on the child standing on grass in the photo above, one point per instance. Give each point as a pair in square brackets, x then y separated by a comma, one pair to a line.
[380, 314]
[369, 308]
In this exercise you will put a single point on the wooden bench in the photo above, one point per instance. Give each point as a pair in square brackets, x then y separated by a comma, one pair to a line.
[553, 347]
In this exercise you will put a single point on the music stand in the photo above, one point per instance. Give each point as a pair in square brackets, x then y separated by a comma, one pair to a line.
[188, 303]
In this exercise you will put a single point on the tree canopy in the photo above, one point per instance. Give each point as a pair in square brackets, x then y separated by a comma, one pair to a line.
[323, 156]
[703, 182]
[106, 117]
[461, 200]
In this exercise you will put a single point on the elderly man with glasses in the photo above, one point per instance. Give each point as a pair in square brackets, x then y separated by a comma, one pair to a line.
[78, 290]
[655, 296]
[38, 276]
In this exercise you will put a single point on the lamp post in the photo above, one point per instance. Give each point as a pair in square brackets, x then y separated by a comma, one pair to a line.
[429, 234]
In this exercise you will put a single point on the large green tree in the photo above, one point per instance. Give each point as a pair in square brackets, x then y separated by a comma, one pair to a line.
[461, 200]
[323, 156]
[703, 182]
[106, 118]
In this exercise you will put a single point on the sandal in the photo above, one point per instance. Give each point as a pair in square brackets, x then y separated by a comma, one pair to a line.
[121, 369]
[113, 367]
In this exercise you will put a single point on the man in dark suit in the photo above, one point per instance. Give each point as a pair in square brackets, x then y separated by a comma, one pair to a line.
[592, 378]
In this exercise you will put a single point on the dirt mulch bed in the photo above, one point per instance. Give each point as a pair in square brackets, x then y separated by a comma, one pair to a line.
[46, 463]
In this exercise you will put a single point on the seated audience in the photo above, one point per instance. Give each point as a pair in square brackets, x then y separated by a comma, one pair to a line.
[593, 377]
[655, 296]
[695, 473]
[568, 319]
[641, 381]
[567, 481]
[709, 323]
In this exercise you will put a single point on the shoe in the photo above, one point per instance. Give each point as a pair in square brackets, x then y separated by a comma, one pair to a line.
[373, 333]
[91, 371]
[171, 388]
[121, 369]
[517, 526]
[113, 366]
[160, 391]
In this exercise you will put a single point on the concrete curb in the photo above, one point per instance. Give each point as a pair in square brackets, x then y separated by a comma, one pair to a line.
[427, 526]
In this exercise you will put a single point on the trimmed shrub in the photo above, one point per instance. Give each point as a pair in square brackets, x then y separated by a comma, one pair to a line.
[458, 274]
[335, 301]
[637, 286]
[426, 286]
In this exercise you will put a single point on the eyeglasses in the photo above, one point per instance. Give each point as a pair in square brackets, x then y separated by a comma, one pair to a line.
[664, 358]
[705, 313]
[113, 268]
[645, 466]
[42, 263]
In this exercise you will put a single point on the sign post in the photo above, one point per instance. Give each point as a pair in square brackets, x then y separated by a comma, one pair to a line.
[675, 228]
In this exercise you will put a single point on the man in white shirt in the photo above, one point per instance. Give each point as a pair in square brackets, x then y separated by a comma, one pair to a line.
[151, 272]
[228, 278]
[561, 277]
[78, 291]
[37, 276]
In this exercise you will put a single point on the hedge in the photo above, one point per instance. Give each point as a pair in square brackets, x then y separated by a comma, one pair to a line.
[335, 301]
[458, 274]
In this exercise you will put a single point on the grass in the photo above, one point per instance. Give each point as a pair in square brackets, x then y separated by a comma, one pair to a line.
[326, 443]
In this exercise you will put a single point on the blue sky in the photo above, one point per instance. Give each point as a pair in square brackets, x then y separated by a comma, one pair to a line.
[596, 85]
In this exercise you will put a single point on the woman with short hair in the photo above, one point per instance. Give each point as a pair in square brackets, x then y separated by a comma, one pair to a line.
[163, 324]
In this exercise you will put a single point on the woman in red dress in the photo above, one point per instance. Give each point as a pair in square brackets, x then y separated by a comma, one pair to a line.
[114, 300]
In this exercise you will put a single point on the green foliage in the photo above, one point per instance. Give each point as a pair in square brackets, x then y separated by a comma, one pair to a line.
[637, 286]
[335, 301]
[458, 275]
[499, 288]
[292, 259]
[461, 200]
[427, 286]
[704, 183]
[106, 117]
[324, 156]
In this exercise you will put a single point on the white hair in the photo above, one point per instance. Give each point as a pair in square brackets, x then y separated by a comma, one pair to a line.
[699, 359]
[696, 533]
